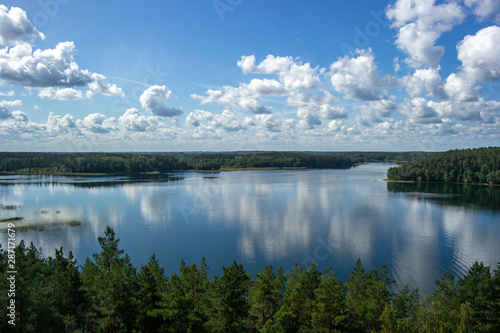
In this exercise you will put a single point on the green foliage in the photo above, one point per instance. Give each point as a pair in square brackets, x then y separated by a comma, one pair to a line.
[107, 295]
[266, 295]
[481, 165]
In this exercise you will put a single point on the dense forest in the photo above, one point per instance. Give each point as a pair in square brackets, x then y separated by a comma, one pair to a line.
[481, 165]
[107, 294]
[133, 163]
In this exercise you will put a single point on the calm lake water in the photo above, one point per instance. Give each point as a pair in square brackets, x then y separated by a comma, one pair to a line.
[278, 217]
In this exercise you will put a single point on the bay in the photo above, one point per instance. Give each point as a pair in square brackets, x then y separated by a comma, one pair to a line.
[262, 217]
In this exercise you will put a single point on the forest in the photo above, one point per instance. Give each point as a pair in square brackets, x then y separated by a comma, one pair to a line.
[133, 163]
[108, 294]
[469, 166]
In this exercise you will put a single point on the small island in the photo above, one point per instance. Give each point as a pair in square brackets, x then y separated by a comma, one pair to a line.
[468, 166]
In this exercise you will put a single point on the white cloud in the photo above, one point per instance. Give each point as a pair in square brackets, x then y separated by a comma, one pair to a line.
[383, 108]
[293, 75]
[484, 9]
[358, 77]
[335, 125]
[59, 124]
[97, 123]
[479, 55]
[426, 81]
[9, 104]
[42, 68]
[420, 24]
[196, 116]
[15, 28]
[154, 100]
[7, 93]
[133, 120]
[98, 84]
[64, 94]
[267, 122]
[327, 111]
[51, 68]
[460, 88]
[245, 96]
[20, 116]
[420, 110]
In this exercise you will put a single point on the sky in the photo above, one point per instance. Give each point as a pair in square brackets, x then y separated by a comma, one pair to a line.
[227, 75]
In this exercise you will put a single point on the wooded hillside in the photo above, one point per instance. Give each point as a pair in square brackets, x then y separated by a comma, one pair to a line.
[481, 165]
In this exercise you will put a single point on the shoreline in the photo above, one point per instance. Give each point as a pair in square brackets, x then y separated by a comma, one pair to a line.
[417, 182]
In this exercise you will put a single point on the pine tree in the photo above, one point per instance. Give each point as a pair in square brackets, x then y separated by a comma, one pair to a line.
[230, 299]
[266, 295]
[110, 283]
[187, 299]
[152, 285]
[329, 312]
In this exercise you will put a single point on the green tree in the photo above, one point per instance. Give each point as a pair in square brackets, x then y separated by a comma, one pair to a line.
[329, 314]
[230, 299]
[152, 285]
[367, 296]
[300, 297]
[188, 302]
[266, 295]
[110, 283]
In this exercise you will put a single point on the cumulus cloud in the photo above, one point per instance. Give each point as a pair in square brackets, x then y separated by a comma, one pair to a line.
[358, 77]
[97, 123]
[245, 96]
[420, 24]
[64, 94]
[480, 64]
[98, 84]
[293, 75]
[485, 9]
[228, 120]
[42, 68]
[15, 28]
[327, 111]
[49, 68]
[60, 124]
[426, 81]
[133, 120]
[154, 100]
[383, 108]
[267, 122]
[479, 55]
[420, 110]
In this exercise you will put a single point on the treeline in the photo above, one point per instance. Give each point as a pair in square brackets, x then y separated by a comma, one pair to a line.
[133, 163]
[129, 163]
[107, 294]
[481, 165]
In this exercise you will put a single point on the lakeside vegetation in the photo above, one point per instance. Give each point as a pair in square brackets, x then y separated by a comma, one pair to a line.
[107, 294]
[135, 163]
[478, 166]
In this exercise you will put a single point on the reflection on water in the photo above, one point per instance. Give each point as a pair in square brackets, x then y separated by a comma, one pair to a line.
[278, 217]
[451, 194]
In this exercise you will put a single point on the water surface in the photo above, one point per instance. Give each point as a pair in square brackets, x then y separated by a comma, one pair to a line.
[278, 217]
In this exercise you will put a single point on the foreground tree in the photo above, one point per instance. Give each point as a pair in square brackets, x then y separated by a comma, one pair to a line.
[187, 299]
[266, 295]
[110, 283]
[152, 286]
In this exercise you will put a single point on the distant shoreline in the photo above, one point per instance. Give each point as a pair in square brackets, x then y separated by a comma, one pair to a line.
[417, 182]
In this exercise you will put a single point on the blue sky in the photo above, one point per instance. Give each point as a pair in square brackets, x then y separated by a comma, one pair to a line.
[249, 75]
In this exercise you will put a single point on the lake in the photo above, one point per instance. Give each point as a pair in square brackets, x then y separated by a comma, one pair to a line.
[262, 217]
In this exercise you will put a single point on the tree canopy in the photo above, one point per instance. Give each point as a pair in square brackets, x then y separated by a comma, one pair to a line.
[480, 165]
[107, 294]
